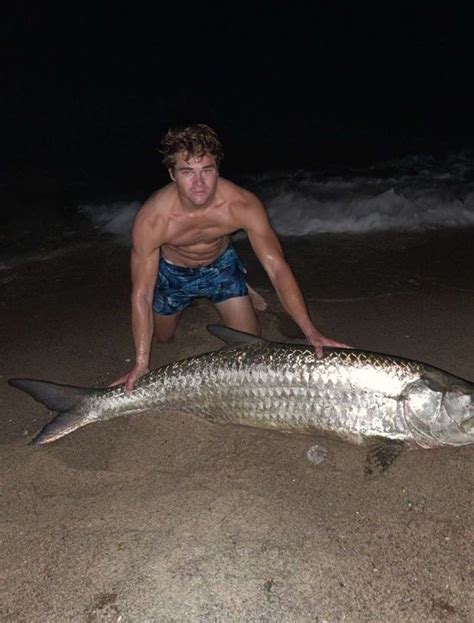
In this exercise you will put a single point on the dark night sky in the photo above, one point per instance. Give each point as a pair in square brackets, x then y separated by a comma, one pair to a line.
[84, 84]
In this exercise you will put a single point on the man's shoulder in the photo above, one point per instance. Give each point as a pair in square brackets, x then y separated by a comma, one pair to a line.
[243, 207]
[157, 206]
[159, 200]
[237, 195]
[152, 218]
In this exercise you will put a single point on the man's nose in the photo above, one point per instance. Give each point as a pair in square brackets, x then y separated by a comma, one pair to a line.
[199, 180]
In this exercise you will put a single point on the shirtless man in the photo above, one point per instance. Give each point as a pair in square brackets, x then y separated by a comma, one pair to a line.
[181, 250]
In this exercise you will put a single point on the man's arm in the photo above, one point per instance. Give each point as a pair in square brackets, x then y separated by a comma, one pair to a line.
[268, 250]
[144, 262]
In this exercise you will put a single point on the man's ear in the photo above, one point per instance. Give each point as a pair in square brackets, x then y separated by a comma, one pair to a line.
[170, 171]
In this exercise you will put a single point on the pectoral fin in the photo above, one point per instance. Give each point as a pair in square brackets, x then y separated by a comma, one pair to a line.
[381, 453]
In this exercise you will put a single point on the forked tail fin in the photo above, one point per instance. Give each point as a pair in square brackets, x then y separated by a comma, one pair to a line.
[65, 399]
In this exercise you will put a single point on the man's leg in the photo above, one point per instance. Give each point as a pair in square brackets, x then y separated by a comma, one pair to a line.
[165, 326]
[258, 302]
[238, 313]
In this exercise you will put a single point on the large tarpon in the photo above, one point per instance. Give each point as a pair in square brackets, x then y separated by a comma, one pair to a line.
[384, 402]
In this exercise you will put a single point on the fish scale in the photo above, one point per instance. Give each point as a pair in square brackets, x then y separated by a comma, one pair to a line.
[383, 401]
[275, 386]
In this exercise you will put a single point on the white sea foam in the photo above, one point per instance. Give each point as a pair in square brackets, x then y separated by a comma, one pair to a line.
[296, 214]
[115, 218]
[411, 193]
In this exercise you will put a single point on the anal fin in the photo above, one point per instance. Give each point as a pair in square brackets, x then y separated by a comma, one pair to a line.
[381, 453]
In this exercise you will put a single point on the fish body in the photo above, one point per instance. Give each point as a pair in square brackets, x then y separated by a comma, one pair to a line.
[365, 398]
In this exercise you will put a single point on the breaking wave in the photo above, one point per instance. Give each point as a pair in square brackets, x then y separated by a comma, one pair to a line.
[411, 193]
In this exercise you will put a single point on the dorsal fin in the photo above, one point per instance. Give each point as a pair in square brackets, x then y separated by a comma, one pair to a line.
[232, 336]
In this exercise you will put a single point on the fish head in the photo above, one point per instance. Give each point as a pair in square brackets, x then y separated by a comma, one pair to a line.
[439, 410]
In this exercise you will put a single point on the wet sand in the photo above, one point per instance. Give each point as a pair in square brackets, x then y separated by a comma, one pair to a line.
[169, 518]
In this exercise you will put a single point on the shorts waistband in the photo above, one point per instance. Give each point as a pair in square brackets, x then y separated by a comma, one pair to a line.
[194, 270]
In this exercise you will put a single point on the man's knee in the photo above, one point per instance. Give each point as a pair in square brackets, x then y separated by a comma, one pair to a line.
[165, 328]
[163, 338]
[238, 313]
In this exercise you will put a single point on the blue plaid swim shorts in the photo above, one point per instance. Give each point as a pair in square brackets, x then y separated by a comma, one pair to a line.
[177, 286]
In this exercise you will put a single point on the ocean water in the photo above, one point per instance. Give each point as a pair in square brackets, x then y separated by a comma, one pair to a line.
[410, 193]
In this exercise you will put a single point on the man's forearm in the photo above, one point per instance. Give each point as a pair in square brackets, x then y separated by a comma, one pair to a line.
[292, 299]
[142, 329]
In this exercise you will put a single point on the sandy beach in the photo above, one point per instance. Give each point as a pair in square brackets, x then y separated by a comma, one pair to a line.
[169, 518]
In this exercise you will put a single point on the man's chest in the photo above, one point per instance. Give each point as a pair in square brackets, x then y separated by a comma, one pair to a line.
[199, 230]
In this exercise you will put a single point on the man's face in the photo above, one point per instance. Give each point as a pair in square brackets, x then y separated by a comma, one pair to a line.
[195, 178]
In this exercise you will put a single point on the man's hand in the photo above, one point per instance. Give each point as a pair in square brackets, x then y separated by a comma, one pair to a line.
[319, 341]
[131, 377]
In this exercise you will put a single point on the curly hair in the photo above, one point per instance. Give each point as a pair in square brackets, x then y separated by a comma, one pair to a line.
[194, 140]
